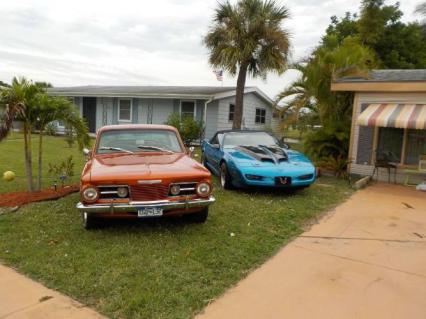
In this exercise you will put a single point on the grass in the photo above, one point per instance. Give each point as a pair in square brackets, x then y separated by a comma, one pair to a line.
[55, 150]
[158, 268]
[151, 268]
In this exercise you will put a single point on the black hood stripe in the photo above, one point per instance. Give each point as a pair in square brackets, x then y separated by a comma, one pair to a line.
[262, 154]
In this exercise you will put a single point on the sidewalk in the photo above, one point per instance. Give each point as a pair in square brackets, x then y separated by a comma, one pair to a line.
[366, 259]
[21, 297]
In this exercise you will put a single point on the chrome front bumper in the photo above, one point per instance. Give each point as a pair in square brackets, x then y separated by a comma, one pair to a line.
[133, 207]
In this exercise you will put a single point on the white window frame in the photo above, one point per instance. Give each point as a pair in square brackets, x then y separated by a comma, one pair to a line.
[195, 107]
[262, 109]
[131, 110]
[229, 113]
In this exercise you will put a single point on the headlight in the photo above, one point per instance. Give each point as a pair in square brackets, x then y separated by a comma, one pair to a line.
[122, 192]
[203, 189]
[175, 190]
[90, 194]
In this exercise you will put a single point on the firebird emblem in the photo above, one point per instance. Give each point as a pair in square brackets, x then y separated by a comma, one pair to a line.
[283, 180]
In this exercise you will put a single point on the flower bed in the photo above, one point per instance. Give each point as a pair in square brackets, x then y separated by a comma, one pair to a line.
[21, 198]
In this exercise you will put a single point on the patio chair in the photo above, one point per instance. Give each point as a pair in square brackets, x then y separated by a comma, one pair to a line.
[387, 160]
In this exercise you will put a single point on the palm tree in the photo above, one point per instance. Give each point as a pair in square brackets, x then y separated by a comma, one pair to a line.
[28, 102]
[18, 104]
[51, 108]
[312, 89]
[248, 38]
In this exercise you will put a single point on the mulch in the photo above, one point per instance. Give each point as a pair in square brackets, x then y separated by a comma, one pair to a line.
[21, 198]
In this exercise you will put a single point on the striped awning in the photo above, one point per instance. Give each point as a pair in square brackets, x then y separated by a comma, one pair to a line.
[394, 115]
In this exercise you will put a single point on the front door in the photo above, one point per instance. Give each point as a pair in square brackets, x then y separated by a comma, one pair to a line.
[89, 113]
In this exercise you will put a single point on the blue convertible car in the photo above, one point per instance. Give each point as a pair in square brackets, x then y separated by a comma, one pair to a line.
[255, 158]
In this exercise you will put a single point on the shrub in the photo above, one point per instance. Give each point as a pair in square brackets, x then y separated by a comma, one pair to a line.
[189, 129]
[329, 147]
[63, 170]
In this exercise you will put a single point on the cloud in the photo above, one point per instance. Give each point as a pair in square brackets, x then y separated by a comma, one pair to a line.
[137, 42]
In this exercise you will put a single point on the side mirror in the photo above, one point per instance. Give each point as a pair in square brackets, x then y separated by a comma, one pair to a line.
[87, 153]
[283, 144]
[216, 146]
[191, 150]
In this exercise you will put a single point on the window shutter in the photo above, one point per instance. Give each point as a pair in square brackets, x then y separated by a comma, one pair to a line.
[365, 142]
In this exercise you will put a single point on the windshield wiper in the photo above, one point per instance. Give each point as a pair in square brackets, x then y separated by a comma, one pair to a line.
[154, 148]
[107, 148]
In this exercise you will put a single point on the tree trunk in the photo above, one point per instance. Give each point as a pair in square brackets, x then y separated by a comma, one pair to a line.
[40, 153]
[239, 97]
[28, 161]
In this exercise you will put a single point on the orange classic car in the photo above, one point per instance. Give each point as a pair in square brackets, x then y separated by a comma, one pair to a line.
[139, 171]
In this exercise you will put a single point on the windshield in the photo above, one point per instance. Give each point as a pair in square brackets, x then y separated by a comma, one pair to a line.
[248, 139]
[133, 141]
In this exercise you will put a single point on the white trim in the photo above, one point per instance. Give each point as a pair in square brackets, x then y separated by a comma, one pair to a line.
[246, 91]
[131, 110]
[217, 96]
[134, 95]
[259, 108]
[195, 107]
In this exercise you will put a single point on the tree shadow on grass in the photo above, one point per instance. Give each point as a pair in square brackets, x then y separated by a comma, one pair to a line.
[149, 225]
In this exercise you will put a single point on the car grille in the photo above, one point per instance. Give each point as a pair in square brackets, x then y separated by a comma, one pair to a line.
[149, 192]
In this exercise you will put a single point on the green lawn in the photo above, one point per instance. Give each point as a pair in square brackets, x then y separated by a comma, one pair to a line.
[156, 268]
[55, 150]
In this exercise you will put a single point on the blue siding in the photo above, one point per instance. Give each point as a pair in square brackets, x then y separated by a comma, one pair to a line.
[176, 105]
[199, 104]
[115, 111]
[135, 108]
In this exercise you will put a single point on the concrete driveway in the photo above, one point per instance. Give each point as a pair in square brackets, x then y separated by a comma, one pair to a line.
[365, 259]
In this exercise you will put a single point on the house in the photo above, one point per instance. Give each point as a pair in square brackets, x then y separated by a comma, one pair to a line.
[388, 123]
[214, 106]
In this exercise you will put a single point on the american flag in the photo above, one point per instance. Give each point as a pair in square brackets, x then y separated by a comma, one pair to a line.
[219, 74]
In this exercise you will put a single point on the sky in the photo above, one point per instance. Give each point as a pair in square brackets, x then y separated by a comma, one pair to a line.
[141, 42]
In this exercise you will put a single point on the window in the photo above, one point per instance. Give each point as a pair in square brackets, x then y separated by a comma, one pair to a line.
[187, 108]
[135, 140]
[231, 112]
[125, 110]
[260, 116]
[416, 146]
[391, 143]
[216, 139]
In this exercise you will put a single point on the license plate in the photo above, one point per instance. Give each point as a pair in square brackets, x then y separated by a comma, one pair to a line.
[150, 212]
[283, 180]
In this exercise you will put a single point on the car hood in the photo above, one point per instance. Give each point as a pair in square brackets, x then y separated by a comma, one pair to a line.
[256, 156]
[132, 167]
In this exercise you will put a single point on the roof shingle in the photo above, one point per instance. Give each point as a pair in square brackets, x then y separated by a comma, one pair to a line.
[417, 75]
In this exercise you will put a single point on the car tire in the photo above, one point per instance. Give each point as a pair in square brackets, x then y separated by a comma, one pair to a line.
[198, 217]
[90, 221]
[225, 177]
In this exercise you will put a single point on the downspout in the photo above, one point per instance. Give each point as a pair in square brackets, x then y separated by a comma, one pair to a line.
[205, 117]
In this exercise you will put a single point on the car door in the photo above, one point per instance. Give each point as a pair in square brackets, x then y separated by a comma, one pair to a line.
[212, 151]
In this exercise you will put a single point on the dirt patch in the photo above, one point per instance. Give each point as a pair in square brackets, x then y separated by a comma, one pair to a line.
[21, 198]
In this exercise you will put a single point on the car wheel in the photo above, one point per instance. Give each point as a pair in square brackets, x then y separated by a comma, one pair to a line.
[198, 217]
[90, 221]
[225, 178]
